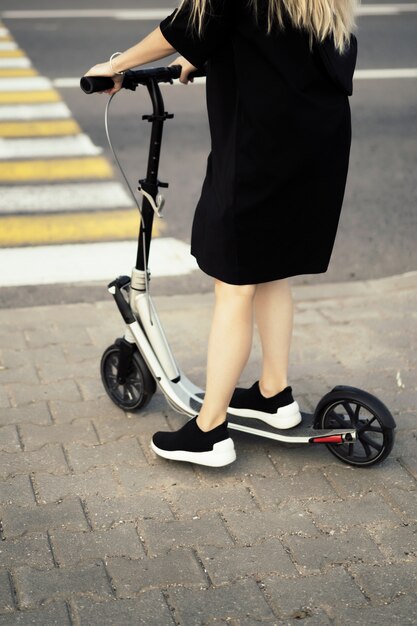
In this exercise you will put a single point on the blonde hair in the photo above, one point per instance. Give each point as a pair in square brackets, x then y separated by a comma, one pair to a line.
[319, 18]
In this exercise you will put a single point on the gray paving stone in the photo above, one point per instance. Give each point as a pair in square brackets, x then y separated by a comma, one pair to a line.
[131, 576]
[410, 464]
[385, 582]
[32, 549]
[55, 614]
[26, 373]
[98, 481]
[9, 441]
[6, 597]
[35, 356]
[53, 372]
[114, 453]
[130, 425]
[53, 335]
[308, 485]
[315, 553]
[79, 430]
[34, 414]
[35, 586]
[405, 502]
[347, 481]
[399, 543]
[17, 490]
[288, 596]
[297, 459]
[49, 458]
[78, 353]
[4, 399]
[156, 477]
[252, 526]
[161, 537]
[107, 513]
[369, 509]
[401, 612]
[71, 548]
[67, 411]
[23, 394]
[13, 339]
[190, 502]
[242, 599]
[149, 609]
[17, 520]
[225, 565]
[91, 388]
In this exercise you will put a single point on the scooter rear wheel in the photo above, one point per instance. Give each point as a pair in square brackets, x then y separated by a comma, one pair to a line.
[139, 385]
[373, 422]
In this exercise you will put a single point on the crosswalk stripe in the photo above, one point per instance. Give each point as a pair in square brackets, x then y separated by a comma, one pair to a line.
[43, 128]
[23, 230]
[55, 169]
[33, 83]
[70, 145]
[4, 32]
[15, 62]
[17, 71]
[8, 45]
[91, 262]
[35, 111]
[20, 97]
[12, 53]
[61, 197]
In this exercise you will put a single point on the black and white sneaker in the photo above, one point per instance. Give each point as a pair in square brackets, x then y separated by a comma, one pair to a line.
[280, 411]
[213, 448]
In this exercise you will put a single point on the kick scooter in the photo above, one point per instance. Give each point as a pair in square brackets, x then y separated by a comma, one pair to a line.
[354, 425]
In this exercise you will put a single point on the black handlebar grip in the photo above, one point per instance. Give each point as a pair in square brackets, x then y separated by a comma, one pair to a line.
[92, 84]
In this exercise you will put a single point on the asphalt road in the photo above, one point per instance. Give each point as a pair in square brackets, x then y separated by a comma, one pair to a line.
[378, 228]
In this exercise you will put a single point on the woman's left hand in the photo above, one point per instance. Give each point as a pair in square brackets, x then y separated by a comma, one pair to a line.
[104, 69]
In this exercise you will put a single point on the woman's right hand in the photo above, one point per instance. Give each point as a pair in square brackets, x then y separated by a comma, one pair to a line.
[187, 68]
[104, 69]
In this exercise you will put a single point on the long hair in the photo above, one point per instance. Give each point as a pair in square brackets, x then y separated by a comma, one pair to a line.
[319, 18]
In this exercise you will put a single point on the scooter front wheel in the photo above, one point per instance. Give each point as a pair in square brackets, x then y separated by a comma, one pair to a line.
[138, 385]
[348, 407]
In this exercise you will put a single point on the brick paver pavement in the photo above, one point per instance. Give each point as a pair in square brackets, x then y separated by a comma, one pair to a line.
[95, 529]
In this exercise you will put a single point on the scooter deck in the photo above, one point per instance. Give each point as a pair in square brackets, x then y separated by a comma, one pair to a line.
[302, 433]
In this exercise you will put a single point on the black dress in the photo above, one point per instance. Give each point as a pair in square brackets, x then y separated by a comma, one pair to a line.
[280, 130]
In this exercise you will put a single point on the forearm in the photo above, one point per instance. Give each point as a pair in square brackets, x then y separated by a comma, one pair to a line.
[153, 47]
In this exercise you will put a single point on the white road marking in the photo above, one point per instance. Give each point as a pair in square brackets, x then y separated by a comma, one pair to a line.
[386, 9]
[406, 72]
[161, 13]
[72, 145]
[139, 14]
[31, 112]
[14, 62]
[30, 83]
[46, 265]
[4, 32]
[8, 45]
[60, 198]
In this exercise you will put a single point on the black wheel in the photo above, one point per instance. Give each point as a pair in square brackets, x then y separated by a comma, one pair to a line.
[139, 386]
[347, 407]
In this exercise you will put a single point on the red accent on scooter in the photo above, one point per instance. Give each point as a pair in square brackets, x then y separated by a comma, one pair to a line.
[330, 439]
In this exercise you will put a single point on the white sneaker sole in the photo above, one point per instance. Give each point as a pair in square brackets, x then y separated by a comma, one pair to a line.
[223, 453]
[286, 417]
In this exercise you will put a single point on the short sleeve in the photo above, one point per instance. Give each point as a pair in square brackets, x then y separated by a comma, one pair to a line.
[183, 36]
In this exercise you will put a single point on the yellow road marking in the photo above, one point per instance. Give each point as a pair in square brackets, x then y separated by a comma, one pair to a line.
[39, 129]
[24, 230]
[20, 97]
[15, 72]
[6, 38]
[12, 53]
[56, 169]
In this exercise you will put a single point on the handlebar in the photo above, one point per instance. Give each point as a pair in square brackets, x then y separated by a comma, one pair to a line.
[133, 78]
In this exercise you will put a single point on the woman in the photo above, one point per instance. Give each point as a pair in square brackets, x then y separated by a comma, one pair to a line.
[279, 73]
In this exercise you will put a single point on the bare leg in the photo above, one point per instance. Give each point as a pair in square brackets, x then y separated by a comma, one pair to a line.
[274, 318]
[229, 347]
